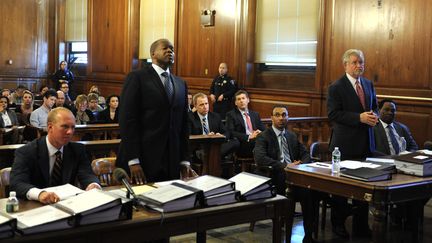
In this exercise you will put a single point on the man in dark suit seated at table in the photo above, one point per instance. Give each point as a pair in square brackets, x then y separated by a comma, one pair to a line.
[52, 160]
[389, 134]
[279, 148]
[202, 121]
[244, 124]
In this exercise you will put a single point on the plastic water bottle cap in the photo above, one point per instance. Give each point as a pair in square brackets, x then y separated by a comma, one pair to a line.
[12, 194]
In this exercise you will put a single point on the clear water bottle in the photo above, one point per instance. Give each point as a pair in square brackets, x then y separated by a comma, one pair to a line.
[12, 204]
[336, 157]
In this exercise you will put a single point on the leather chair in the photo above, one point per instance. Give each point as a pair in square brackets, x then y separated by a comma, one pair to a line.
[4, 182]
[103, 168]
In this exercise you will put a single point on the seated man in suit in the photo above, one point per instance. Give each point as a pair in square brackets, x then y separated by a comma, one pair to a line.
[202, 121]
[389, 134]
[52, 160]
[244, 124]
[279, 148]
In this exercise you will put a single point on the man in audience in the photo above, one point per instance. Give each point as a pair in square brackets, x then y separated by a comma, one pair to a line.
[60, 101]
[279, 148]
[244, 124]
[352, 108]
[202, 121]
[222, 90]
[391, 136]
[191, 107]
[68, 97]
[38, 117]
[153, 120]
[16, 97]
[51, 160]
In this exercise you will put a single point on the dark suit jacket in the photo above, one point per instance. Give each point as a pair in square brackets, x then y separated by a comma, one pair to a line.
[268, 153]
[214, 122]
[104, 116]
[381, 142]
[354, 139]
[236, 125]
[12, 117]
[152, 128]
[31, 167]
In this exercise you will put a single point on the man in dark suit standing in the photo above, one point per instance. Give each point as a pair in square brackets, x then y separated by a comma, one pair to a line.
[51, 161]
[279, 148]
[202, 121]
[352, 108]
[244, 124]
[391, 137]
[153, 119]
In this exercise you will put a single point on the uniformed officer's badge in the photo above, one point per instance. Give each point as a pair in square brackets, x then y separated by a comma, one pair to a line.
[232, 81]
[224, 81]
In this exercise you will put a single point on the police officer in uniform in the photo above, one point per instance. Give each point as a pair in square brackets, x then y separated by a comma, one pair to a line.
[222, 91]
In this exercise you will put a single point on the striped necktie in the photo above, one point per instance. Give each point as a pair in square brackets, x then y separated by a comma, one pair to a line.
[168, 85]
[205, 128]
[393, 140]
[285, 150]
[56, 174]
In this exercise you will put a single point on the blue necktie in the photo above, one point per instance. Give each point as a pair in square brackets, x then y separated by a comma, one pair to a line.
[393, 140]
[285, 150]
[204, 124]
[168, 85]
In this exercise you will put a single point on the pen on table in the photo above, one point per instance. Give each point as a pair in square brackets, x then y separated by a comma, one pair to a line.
[321, 164]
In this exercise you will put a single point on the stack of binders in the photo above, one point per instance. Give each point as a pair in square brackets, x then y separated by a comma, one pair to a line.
[253, 186]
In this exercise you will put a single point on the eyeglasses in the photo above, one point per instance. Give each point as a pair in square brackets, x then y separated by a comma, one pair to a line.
[283, 115]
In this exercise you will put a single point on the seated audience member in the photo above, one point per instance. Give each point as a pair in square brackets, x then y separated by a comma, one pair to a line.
[101, 99]
[52, 160]
[202, 121]
[69, 98]
[244, 124]
[38, 117]
[7, 93]
[391, 137]
[16, 97]
[8, 118]
[191, 107]
[279, 148]
[42, 91]
[111, 113]
[60, 102]
[93, 100]
[82, 114]
[26, 108]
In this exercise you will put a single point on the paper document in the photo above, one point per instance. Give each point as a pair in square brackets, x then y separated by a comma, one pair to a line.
[140, 189]
[320, 165]
[164, 183]
[380, 160]
[426, 151]
[40, 216]
[64, 191]
[3, 219]
[167, 193]
[208, 183]
[244, 182]
[86, 201]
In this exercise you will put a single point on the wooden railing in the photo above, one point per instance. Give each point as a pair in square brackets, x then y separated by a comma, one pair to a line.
[308, 129]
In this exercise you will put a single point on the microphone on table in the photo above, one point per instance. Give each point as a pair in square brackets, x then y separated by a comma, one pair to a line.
[120, 175]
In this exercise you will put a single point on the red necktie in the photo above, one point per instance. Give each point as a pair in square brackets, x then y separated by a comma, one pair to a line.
[248, 122]
[360, 94]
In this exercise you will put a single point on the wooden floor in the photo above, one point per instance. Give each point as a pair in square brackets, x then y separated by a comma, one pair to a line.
[263, 232]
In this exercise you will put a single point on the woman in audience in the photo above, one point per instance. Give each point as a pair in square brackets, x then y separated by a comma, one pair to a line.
[110, 114]
[101, 99]
[82, 114]
[26, 108]
[8, 118]
[42, 90]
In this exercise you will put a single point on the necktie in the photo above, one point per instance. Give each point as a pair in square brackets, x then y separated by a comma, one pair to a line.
[168, 85]
[204, 124]
[56, 174]
[248, 122]
[285, 150]
[360, 94]
[393, 140]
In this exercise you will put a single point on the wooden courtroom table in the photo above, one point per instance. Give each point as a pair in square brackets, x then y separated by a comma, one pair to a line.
[380, 194]
[150, 225]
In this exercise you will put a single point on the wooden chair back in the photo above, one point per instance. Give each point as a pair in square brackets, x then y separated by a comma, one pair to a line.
[319, 151]
[4, 182]
[103, 168]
